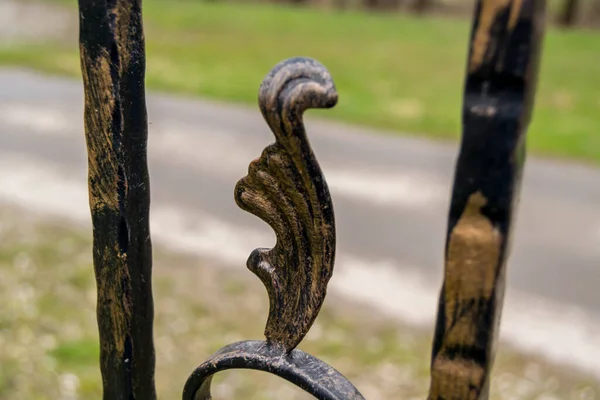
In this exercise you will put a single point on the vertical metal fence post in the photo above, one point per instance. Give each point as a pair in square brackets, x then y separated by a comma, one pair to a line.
[113, 67]
[500, 84]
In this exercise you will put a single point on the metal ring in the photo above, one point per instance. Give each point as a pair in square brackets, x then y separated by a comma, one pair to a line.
[303, 370]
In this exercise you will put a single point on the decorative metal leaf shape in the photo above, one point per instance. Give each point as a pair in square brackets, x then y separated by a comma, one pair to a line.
[285, 188]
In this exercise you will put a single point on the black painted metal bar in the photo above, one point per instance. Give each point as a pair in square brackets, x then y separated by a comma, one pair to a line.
[113, 67]
[498, 99]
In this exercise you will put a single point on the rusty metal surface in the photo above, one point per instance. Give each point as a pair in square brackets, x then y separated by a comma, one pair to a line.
[286, 188]
[500, 85]
[113, 68]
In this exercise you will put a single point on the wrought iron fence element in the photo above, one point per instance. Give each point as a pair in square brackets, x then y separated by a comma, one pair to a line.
[501, 77]
[286, 188]
[116, 130]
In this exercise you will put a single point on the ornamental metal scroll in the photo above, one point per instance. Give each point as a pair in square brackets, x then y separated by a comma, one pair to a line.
[286, 188]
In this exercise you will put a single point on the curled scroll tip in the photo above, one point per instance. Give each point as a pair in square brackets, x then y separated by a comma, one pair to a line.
[297, 83]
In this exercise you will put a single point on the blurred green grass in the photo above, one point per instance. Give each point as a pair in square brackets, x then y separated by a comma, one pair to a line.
[395, 72]
[49, 341]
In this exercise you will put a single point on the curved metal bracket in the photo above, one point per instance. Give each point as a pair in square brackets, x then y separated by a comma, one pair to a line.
[286, 188]
[297, 367]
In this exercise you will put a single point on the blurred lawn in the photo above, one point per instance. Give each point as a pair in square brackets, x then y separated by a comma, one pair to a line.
[49, 340]
[395, 72]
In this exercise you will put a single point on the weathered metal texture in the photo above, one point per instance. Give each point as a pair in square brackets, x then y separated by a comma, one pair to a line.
[500, 84]
[297, 367]
[286, 188]
[113, 67]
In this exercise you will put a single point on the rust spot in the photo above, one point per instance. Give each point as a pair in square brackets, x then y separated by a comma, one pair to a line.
[456, 379]
[123, 13]
[472, 262]
[99, 105]
[515, 9]
[483, 41]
